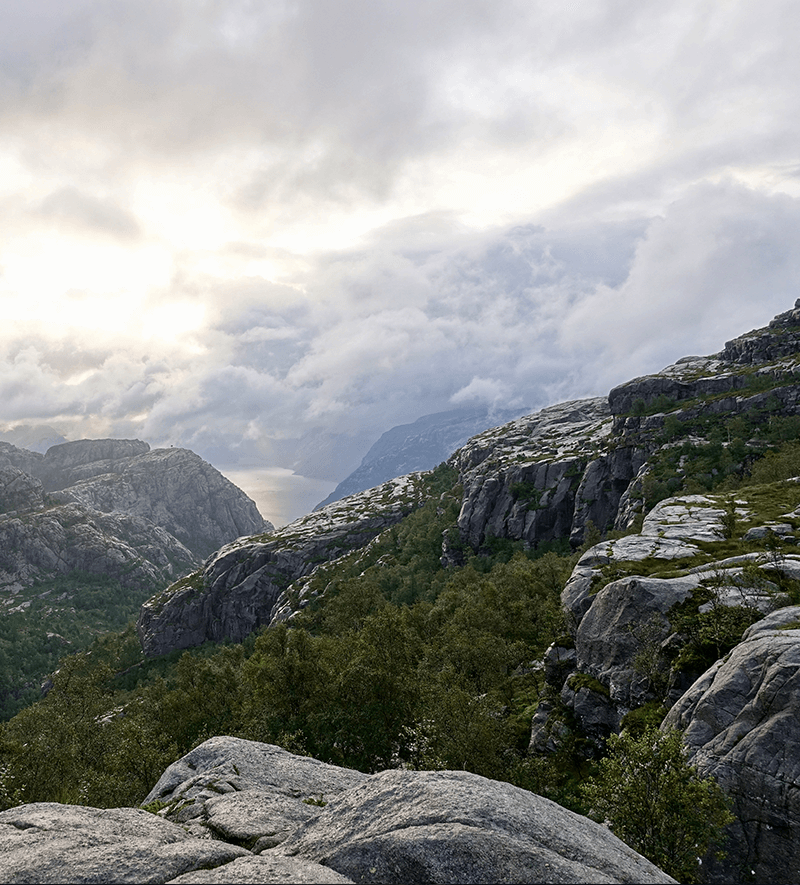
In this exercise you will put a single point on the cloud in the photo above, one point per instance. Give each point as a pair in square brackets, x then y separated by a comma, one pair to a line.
[721, 260]
[271, 231]
[484, 390]
[71, 207]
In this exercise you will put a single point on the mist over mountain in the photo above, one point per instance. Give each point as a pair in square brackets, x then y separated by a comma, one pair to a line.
[420, 445]
[34, 437]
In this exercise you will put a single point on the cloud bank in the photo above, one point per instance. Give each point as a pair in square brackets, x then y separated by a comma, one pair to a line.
[271, 231]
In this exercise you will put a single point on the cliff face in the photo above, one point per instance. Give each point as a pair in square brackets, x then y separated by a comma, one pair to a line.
[545, 477]
[114, 508]
[244, 584]
[173, 488]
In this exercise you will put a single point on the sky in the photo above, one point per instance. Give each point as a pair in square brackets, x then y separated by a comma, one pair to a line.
[270, 231]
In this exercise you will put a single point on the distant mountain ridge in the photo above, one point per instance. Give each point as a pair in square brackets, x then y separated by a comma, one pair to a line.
[94, 527]
[420, 445]
[34, 437]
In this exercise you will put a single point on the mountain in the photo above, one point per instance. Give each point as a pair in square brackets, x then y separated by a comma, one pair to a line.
[620, 565]
[421, 445]
[560, 473]
[89, 530]
[691, 603]
[34, 437]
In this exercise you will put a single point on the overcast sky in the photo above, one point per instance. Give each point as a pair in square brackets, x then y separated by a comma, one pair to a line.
[235, 225]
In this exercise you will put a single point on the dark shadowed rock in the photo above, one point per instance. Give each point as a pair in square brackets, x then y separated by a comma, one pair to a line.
[742, 722]
[19, 492]
[539, 478]
[46, 842]
[244, 585]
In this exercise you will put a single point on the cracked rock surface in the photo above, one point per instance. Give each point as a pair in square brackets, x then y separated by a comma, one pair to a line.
[305, 821]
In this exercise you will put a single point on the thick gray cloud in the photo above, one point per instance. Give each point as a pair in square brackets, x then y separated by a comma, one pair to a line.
[272, 230]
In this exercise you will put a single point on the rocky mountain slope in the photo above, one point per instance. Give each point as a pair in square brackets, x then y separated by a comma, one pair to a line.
[115, 508]
[410, 448]
[551, 475]
[102, 511]
[661, 617]
[244, 585]
[240, 811]
[691, 606]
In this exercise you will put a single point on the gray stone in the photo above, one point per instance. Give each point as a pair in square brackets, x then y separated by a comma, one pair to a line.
[47, 842]
[610, 633]
[593, 709]
[114, 508]
[251, 793]
[257, 819]
[174, 488]
[742, 725]
[266, 869]
[521, 480]
[244, 585]
[456, 827]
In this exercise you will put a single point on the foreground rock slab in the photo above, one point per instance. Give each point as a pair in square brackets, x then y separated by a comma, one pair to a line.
[268, 869]
[46, 842]
[236, 811]
[456, 827]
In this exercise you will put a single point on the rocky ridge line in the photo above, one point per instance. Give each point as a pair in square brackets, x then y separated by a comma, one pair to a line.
[250, 582]
[112, 508]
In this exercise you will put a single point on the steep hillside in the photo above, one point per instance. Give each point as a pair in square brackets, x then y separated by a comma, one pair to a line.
[589, 465]
[410, 448]
[666, 460]
[88, 531]
[244, 584]
[609, 566]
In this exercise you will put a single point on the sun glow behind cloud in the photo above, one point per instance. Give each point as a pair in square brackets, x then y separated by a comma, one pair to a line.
[234, 224]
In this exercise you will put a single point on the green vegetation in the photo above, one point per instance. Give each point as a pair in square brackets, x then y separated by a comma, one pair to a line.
[361, 681]
[60, 615]
[657, 803]
[398, 661]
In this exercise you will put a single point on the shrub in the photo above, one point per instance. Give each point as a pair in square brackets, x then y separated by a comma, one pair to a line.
[656, 802]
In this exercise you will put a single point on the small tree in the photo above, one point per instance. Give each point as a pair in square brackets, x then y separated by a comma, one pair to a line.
[656, 802]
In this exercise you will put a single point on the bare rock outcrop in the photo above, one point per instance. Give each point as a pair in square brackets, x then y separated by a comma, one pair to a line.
[305, 821]
[173, 488]
[544, 477]
[113, 508]
[247, 792]
[457, 827]
[243, 585]
[742, 725]
[51, 843]
[621, 608]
